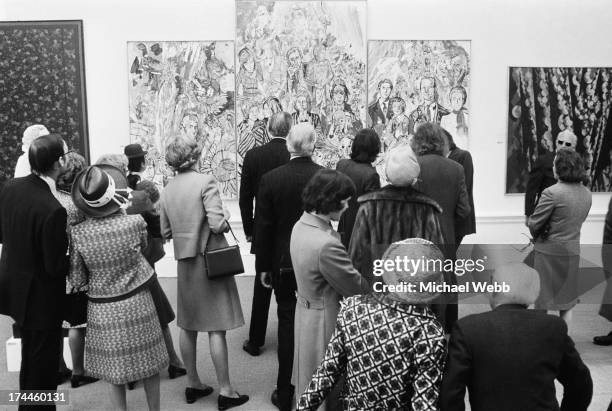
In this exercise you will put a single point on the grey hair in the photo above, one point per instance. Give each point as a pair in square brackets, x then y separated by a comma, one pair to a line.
[279, 124]
[301, 140]
[523, 284]
[119, 161]
[182, 153]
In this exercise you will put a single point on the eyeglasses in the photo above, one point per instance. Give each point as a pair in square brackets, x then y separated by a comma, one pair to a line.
[564, 143]
[68, 152]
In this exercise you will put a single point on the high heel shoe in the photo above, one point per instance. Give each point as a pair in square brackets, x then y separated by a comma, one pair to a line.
[224, 403]
[192, 394]
[78, 380]
[174, 371]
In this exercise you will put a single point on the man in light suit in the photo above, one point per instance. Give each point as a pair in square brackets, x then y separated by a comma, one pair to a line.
[509, 358]
[278, 208]
[257, 162]
[34, 264]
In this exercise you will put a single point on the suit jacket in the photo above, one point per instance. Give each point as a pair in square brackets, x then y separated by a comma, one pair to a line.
[324, 274]
[509, 358]
[366, 179]
[257, 162]
[423, 114]
[540, 177]
[34, 264]
[377, 115]
[444, 181]
[466, 225]
[278, 208]
[564, 207]
[190, 209]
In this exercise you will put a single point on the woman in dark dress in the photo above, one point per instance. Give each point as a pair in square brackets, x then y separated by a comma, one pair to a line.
[364, 151]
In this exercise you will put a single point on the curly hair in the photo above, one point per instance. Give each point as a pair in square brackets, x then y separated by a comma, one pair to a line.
[150, 188]
[398, 100]
[569, 166]
[75, 163]
[182, 153]
[428, 140]
[119, 161]
[325, 191]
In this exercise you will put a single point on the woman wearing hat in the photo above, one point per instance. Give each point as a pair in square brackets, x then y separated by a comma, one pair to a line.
[323, 271]
[388, 345]
[192, 212]
[124, 339]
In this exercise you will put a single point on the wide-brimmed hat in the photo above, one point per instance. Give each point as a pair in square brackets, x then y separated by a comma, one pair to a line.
[99, 191]
[414, 249]
[402, 167]
[134, 150]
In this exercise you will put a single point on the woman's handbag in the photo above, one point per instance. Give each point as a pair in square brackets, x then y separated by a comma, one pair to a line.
[75, 308]
[222, 260]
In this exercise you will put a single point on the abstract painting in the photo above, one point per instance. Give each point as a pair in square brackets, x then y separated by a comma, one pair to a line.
[307, 58]
[416, 81]
[543, 102]
[185, 87]
[42, 78]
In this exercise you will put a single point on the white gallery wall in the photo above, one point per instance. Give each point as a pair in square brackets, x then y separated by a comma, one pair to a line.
[503, 33]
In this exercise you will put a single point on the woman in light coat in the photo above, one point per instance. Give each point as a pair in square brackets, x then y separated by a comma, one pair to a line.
[191, 213]
[555, 225]
[323, 270]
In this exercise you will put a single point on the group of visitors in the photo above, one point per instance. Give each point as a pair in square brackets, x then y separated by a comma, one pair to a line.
[66, 228]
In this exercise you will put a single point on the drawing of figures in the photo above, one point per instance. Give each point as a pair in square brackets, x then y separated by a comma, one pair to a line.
[398, 128]
[337, 143]
[303, 114]
[379, 111]
[304, 48]
[186, 87]
[249, 77]
[431, 77]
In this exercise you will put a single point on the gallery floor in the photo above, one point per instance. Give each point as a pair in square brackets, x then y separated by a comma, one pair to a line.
[256, 375]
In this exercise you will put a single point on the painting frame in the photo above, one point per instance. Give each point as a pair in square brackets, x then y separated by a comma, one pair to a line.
[75, 128]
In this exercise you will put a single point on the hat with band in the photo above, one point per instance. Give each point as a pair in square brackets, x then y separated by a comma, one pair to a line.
[99, 191]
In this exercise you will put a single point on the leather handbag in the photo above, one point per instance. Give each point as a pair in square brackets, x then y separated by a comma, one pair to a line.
[222, 260]
[75, 308]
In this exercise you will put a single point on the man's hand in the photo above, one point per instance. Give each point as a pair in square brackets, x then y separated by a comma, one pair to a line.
[266, 279]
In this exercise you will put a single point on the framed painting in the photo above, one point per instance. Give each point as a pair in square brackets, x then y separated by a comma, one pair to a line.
[307, 58]
[184, 87]
[415, 81]
[42, 81]
[553, 106]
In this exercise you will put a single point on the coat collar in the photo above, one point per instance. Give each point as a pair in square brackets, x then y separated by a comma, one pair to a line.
[403, 194]
[420, 310]
[314, 221]
[505, 307]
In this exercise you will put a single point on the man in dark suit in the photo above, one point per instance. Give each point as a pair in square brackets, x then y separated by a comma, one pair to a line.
[257, 162]
[429, 110]
[380, 110]
[443, 180]
[467, 225]
[33, 265]
[509, 358]
[278, 208]
[541, 175]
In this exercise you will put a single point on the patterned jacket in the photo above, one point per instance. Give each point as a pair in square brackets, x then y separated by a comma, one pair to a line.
[392, 353]
[107, 255]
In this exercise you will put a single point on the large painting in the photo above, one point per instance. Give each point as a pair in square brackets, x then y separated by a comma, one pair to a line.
[416, 81]
[185, 87]
[307, 58]
[42, 78]
[543, 102]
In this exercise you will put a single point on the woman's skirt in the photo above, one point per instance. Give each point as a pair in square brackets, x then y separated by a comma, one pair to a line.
[558, 281]
[203, 304]
[124, 340]
[162, 305]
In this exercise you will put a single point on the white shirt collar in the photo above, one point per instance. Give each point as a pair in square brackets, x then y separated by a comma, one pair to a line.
[50, 182]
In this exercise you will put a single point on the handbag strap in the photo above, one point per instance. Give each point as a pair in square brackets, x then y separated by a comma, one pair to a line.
[231, 231]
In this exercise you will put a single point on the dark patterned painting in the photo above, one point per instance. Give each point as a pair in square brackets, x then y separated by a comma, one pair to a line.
[42, 81]
[545, 101]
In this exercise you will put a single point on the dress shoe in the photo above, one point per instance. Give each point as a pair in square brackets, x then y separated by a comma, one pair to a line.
[131, 385]
[78, 380]
[603, 339]
[174, 371]
[192, 394]
[225, 403]
[283, 401]
[63, 376]
[251, 348]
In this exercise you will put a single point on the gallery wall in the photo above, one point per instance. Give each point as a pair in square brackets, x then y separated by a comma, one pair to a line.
[503, 33]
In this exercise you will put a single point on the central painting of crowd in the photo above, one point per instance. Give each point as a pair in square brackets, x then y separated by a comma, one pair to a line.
[308, 58]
